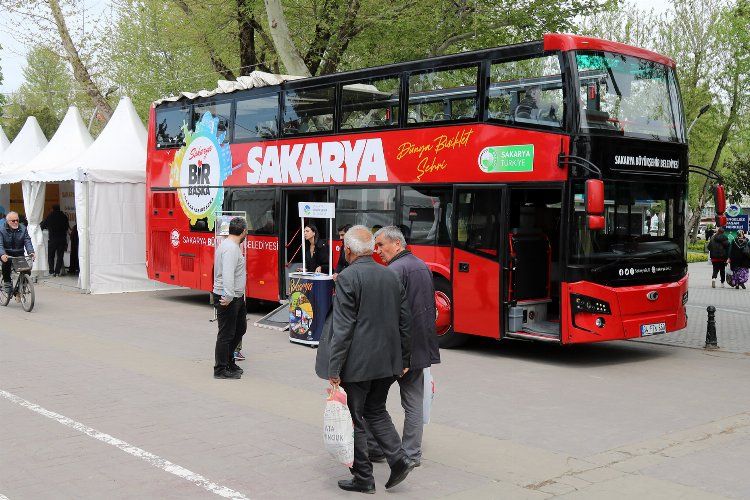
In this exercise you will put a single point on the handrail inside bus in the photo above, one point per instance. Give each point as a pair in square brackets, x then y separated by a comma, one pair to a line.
[292, 239]
[295, 254]
[707, 172]
[577, 161]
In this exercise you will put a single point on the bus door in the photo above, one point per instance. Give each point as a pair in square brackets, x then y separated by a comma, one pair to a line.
[290, 247]
[476, 257]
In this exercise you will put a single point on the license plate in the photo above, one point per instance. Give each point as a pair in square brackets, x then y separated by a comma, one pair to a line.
[653, 329]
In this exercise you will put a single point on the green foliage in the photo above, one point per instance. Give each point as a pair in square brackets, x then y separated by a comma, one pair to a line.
[696, 257]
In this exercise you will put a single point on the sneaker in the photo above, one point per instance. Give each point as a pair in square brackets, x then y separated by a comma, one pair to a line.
[722, 284]
[238, 356]
[227, 374]
[713, 283]
[235, 368]
[742, 285]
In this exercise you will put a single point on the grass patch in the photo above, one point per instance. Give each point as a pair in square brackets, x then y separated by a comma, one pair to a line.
[696, 257]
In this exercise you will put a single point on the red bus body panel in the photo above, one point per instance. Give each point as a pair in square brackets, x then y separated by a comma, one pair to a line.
[565, 43]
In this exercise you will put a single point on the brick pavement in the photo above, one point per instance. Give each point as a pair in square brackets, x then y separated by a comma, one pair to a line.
[732, 314]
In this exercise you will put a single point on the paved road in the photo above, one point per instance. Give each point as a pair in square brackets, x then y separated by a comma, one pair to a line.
[112, 396]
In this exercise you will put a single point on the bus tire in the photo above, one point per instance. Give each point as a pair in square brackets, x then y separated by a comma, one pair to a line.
[447, 337]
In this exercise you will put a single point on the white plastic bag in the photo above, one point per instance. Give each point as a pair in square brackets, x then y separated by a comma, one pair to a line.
[338, 428]
[429, 395]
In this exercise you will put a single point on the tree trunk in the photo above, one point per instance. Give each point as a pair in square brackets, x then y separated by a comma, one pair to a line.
[248, 58]
[80, 72]
[282, 40]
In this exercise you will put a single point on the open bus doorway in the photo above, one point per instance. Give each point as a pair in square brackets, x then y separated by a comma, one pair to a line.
[291, 231]
[533, 288]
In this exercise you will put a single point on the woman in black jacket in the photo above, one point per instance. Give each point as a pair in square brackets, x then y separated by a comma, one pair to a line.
[739, 260]
[316, 251]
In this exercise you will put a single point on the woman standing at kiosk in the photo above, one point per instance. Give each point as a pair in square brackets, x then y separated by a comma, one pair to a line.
[316, 250]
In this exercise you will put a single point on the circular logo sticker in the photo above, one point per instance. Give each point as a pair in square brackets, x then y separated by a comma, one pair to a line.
[200, 168]
[174, 238]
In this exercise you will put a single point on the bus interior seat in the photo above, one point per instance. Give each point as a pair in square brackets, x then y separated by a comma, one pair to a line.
[531, 251]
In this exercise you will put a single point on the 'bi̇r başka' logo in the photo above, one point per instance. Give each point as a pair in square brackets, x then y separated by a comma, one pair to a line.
[199, 170]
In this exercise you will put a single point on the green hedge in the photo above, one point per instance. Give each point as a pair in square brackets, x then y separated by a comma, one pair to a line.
[696, 247]
[696, 257]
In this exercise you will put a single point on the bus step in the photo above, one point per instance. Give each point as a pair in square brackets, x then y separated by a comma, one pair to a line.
[278, 319]
[527, 334]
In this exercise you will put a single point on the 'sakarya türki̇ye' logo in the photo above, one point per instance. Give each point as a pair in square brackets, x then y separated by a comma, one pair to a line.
[200, 168]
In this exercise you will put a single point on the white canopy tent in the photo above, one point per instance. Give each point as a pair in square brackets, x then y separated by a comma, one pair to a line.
[110, 192]
[4, 190]
[29, 142]
[70, 141]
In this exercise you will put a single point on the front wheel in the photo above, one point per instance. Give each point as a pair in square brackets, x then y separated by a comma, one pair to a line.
[26, 292]
[5, 293]
[447, 337]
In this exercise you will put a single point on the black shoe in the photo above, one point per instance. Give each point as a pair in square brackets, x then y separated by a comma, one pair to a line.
[417, 462]
[353, 485]
[399, 471]
[377, 457]
[227, 374]
[236, 369]
[742, 285]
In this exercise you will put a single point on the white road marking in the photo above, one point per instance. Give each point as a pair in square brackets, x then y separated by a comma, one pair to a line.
[150, 458]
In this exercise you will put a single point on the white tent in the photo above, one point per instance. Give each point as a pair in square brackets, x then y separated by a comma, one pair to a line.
[27, 144]
[70, 141]
[111, 206]
[4, 190]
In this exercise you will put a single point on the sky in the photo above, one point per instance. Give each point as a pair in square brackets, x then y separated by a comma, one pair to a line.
[13, 53]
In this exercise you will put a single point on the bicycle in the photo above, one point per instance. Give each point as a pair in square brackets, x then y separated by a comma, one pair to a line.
[22, 288]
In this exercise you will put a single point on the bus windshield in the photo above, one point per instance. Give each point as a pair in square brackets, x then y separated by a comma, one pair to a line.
[628, 96]
[643, 233]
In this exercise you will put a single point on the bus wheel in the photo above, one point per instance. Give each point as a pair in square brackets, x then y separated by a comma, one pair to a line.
[447, 338]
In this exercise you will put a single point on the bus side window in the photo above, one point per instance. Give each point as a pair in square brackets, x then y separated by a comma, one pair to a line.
[259, 205]
[219, 110]
[443, 95]
[308, 110]
[257, 117]
[169, 126]
[370, 103]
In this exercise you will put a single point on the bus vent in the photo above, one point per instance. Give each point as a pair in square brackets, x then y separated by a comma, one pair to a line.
[187, 263]
[163, 204]
[160, 248]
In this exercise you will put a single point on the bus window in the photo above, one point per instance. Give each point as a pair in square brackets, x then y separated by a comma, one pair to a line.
[371, 207]
[443, 95]
[370, 103]
[426, 214]
[527, 92]
[169, 123]
[220, 110]
[307, 111]
[259, 205]
[478, 222]
[256, 118]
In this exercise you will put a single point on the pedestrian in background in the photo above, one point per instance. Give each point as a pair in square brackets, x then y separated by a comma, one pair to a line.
[369, 347]
[416, 279]
[57, 224]
[14, 239]
[739, 260]
[718, 252]
[342, 263]
[230, 276]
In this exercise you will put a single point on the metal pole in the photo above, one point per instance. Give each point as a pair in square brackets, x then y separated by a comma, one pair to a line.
[330, 247]
[302, 226]
[711, 342]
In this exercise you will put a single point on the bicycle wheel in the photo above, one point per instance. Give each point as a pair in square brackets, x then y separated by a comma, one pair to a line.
[26, 292]
[4, 294]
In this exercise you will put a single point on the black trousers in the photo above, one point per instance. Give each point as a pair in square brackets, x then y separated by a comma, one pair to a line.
[232, 320]
[720, 269]
[56, 249]
[73, 268]
[366, 402]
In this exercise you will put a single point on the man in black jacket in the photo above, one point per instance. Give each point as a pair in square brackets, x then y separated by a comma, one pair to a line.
[416, 278]
[718, 252]
[14, 239]
[58, 226]
[369, 347]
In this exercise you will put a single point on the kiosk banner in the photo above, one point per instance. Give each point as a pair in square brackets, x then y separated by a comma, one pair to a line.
[310, 300]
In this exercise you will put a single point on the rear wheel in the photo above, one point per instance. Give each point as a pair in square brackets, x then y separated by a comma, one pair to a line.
[4, 294]
[447, 337]
[26, 292]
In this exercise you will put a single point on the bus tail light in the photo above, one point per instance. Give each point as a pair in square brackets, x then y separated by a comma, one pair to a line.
[596, 222]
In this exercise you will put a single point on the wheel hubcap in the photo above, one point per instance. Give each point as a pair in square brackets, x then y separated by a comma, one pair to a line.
[443, 317]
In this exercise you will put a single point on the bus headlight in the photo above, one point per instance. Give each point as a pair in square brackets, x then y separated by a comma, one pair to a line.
[599, 322]
[684, 298]
[584, 303]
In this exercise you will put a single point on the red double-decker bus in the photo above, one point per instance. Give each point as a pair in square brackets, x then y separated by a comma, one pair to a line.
[543, 183]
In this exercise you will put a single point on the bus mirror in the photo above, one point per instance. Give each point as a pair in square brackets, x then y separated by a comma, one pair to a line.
[720, 199]
[594, 197]
[596, 222]
[721, 220]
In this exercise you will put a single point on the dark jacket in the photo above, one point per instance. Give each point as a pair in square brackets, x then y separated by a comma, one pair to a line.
[718, 247]
[342, 263]
[416, 278]
[13, 242]
[57, 225]
[738, 254]
[370, 338]
[319, 259]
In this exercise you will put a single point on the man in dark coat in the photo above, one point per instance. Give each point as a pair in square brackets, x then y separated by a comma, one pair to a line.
[58, 226]
[369, 347]
[718, 252]
[14, 239]
[416, 278]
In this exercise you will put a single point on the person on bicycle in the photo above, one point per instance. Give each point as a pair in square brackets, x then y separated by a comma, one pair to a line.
[14, 239]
